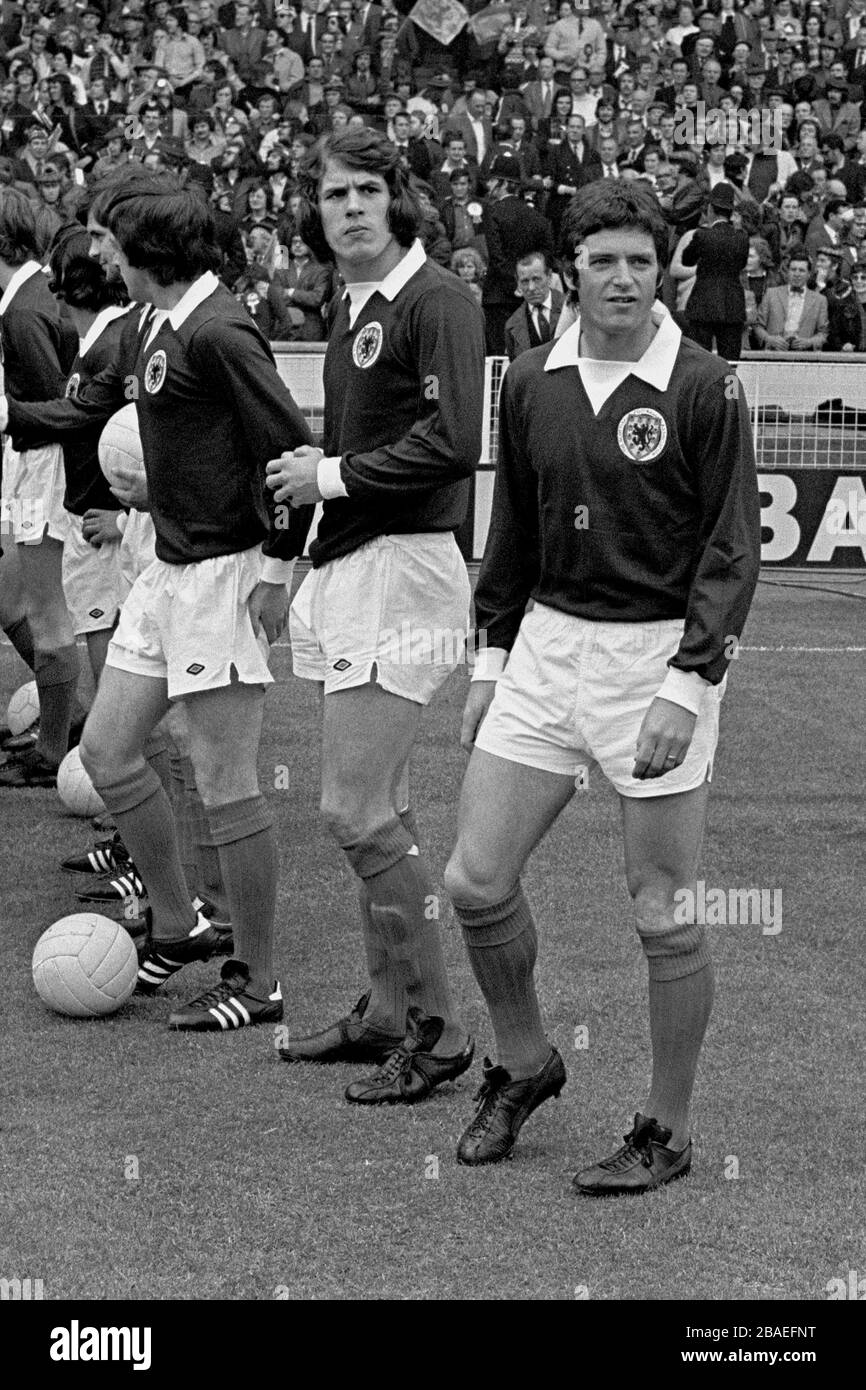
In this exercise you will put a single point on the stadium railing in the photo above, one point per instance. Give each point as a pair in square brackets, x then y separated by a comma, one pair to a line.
[808, 413]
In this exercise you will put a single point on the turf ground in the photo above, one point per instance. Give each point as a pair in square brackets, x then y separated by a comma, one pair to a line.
[255, 1180]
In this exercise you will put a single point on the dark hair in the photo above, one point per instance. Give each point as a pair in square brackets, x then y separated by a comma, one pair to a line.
[77, 277]
[833, 206]
[606, 205]
[164, 229]
[101, 193]
[18, 239]
[367, 150]
[539, 255]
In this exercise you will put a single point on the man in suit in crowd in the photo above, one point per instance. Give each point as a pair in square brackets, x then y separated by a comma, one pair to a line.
[475, 126]
[535, 321]
[792, 317]
[717, 304]
[573, 164]
[511, 229]
[538, 95]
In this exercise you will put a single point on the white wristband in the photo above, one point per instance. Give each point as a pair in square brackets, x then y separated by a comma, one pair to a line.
[685, 688]
[488, 663]
[276, 571]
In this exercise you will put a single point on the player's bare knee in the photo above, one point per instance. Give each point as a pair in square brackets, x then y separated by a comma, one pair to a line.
[344, 821]
[470, 882]
[653, 900]
[103, 762]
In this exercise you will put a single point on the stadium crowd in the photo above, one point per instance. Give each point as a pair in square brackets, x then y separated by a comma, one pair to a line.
[743, 118]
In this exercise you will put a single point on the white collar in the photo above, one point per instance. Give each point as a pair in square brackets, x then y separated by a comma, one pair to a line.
[23, 273]
[102, 320]
[547, 305]
[390, 287]
[197, 293]
[656, 365]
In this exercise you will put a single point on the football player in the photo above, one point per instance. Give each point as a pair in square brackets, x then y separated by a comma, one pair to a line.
[37, 347]
[197, 622]
[626, 506]
[404, 374]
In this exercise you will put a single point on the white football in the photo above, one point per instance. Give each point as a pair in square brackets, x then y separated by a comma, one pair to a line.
[85, 966]
[120, 444]
[23, 708]
[76, 790]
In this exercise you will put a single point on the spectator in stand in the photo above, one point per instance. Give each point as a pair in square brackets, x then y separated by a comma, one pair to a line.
[204, 144]
[307, 287]
[717, 308]
[574, 39]
[462, 213]
[858, 283]
[511, 229]
[431, 233]
[471, 267]
[181, 56]
[793, 318]
[534, 323]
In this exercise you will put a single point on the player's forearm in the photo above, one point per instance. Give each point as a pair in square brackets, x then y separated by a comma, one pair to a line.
[33, 422]
[431, 455]
[727, 573]
[290, 527]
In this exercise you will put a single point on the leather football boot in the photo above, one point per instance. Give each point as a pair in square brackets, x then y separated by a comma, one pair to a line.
[348, 1040]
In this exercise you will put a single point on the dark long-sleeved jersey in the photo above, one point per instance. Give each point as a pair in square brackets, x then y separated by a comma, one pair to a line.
[404, 399]
[86, 485]
[38, 342]
[212, 411]
[648, 511]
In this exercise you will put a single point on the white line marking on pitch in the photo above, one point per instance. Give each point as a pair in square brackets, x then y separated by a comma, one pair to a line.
[803, 649]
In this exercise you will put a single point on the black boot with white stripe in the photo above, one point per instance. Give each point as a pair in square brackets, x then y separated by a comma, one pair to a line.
[162, 959]
[228, 1006]
[108, 856]
[128, 884]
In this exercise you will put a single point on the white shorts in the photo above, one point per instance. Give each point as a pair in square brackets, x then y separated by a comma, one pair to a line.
[34, 484]
[575, 692]
[397, 607]
[92, 582]
[191, 625]
[137, 547]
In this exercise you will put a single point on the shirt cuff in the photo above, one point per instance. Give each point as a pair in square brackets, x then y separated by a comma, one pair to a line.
[685, 688]
[122, 521]
[488, 663]
[4, 413]
[330, 479]
[276, 571]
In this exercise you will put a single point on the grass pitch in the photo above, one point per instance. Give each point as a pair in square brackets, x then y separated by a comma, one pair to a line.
[140, 1164]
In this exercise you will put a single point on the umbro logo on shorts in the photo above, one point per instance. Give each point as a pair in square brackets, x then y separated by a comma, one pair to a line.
[342, 664]
[95, 613]
[195, 669]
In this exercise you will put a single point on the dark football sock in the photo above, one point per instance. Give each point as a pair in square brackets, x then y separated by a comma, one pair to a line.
[182, 819]
[156, 756]
[679, 1013]
[406, 946]
[56, 678]
[388, 1002]
[243, 834]
[502, 947]
[143, 814]
[21, 637]
[208, 873]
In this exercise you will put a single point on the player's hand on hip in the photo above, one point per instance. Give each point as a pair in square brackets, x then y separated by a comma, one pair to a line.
[664, 739]
[269, 609]
[130, 487]
[478, 702]
[294, 476]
